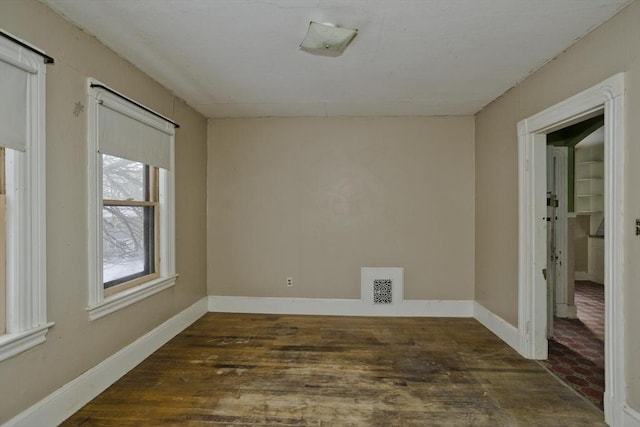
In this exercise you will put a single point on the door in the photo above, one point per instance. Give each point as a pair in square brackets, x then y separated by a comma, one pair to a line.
[557, 245]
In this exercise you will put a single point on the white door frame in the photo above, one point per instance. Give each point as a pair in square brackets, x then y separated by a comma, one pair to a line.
[607, 96]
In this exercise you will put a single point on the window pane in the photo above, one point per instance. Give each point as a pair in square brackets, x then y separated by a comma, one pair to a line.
[122, 179]
[127, 243]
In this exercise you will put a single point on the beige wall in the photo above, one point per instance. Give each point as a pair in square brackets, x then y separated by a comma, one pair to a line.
[318, 198]
[315, 199]
[612, 48]
[74, 344]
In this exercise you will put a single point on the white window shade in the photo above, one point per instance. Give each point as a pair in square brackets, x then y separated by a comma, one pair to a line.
[13, 106]
[121, 127]
[126, 131]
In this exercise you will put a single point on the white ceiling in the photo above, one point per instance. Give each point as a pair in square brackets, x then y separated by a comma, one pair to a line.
[239, 58]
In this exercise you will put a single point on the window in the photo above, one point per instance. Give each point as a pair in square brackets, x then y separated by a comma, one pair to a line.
[130, 201]
[23, 314]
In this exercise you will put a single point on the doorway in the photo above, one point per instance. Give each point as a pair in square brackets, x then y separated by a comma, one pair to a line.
[575, 257]
[607, 97]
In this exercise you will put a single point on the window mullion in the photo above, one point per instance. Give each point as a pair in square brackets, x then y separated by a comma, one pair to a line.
[111, 202]
[122, 218]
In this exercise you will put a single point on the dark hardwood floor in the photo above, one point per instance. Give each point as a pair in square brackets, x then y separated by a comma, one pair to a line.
[272, 370]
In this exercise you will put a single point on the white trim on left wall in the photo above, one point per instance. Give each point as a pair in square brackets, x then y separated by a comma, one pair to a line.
[25, 213]
[64, 402]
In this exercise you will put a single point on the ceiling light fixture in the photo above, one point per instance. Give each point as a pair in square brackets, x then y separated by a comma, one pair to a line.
[327, 37]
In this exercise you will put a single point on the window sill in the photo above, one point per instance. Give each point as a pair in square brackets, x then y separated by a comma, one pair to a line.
[14, 344]
[127, 297]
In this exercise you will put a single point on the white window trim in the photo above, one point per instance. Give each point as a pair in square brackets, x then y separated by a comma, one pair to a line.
[99, 305]
[26, 297]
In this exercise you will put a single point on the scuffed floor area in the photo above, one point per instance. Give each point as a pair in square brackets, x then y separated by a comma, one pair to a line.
[277, 370]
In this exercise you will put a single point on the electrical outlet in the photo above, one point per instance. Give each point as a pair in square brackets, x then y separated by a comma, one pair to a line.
[289, 282]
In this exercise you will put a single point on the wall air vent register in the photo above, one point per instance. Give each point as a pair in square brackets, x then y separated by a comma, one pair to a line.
[382, 285]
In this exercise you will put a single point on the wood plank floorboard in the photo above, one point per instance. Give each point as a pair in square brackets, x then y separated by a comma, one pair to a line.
[276, 370]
